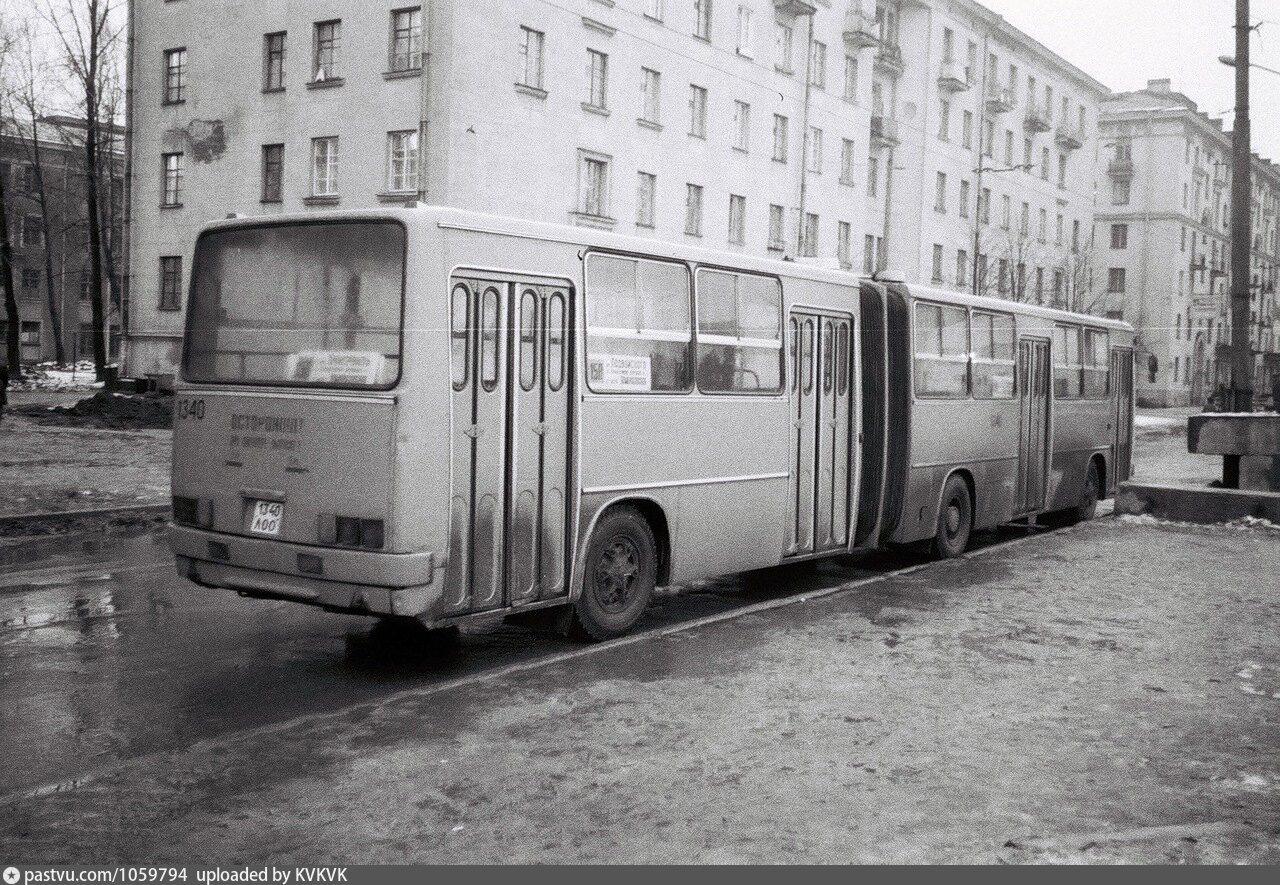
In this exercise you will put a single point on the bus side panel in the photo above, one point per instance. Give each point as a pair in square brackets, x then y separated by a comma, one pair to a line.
[1082, 428]
[718, 465]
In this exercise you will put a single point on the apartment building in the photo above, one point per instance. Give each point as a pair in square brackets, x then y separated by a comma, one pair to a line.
[1163, 242]
[981, 172]
[49, 237]
[737, 124]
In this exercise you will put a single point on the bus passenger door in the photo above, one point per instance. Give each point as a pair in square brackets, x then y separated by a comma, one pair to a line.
[1122, 378]
[1034, 385]
[821, 411]
[539, 463]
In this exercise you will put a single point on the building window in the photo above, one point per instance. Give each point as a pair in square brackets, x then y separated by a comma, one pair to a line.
[1120, 192]
[1002, 281]
[1119, 236]
[272, 173]
[964, 199]
[1024, 221]
[937, 262]
[653, 9]
[86, 284]
[1057, 230]
[745, 31]
[702, 19]
[693, 210]
[781, 136]
[1075, 235]
[783, 38]
[697, 111]
[940, 193]
[646, 196]
[741, 126]
[1044, 164]
[402, 161]
[847, 160]
[1062, 170]
[597, 80]
[1006, 211]
[328, 43]
[813, 150]
[777, 236]
[29, 334]
[944, 120]
[324, 167]
[1044, 224]
[984, 206]
[873, 176]
[1115, 280]
[31, 232]
[175, 76]
[966, 131]
[406, 39]
[651, 95]
[593, 185]
[818, 65]
[171, 186]
[962, 268]
[1008, 147]
[989, 139]
[850, 78]
[844, 236]
[170, 282]
[737, 219]
[273, 62]
[868, 254]
[532, 66]
[809, 235]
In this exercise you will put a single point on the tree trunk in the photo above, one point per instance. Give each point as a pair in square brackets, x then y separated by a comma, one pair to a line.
[13, 352]
[96, 15]
[51, 290]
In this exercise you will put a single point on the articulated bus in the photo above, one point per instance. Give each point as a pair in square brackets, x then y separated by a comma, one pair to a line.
[434, 414]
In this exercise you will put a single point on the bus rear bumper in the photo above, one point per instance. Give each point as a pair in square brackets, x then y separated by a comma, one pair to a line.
[406, 584]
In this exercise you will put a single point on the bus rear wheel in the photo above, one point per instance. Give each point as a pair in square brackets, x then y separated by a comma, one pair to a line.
[955, 519]
[1087, 509]
[618, 577]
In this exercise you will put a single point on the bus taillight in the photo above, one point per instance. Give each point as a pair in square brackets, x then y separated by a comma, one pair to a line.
[352, 531]
[193, 511]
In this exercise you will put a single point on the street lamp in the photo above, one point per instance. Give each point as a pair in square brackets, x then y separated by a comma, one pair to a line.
[1230, 61]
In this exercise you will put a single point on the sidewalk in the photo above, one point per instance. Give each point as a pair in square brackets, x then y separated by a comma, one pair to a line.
[1105, 694]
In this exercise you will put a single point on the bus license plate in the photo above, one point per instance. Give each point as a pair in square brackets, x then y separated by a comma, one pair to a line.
[267, 516]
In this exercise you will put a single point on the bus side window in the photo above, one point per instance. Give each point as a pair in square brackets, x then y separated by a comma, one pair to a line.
[529, 304]
[555, 340]
[639, 325]
[828, 357]
[992, 355]
[489, 339]
[842, 358]
[941, 351]
[806, 356]
[1097, 364]
[739, 333]
[795, 355]
[1067, 368]
[460, 328]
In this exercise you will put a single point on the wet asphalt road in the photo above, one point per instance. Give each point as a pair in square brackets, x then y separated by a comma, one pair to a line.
[109, 656]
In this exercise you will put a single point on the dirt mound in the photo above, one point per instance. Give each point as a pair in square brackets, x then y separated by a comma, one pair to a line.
[107, 410]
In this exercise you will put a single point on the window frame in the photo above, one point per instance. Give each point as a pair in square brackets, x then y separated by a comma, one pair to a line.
[532, 63]
[1012, 362]
[266, 195]
[331, 162]
[269, 56]
[967, 357]
[411, 160]
[394, 36]
[175, 76]
[334, 50]
[175, 302]
[1062, 366]
[167, 175]
[732, 341]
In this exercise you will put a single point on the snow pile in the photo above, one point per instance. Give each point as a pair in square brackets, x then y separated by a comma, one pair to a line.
[1244, 522]
[109, 411]
[52, 376]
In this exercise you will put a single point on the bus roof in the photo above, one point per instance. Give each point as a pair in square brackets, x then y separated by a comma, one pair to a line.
[421, 215]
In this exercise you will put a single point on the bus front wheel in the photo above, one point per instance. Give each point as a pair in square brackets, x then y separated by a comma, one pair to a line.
[955, 519]
[619, 575]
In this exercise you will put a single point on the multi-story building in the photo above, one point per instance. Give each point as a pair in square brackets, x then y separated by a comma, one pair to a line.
[50, 243]
[983, 143]
[740, 125]
[1163, 241]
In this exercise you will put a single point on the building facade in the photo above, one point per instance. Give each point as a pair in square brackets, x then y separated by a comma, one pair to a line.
[49, 238]
[1163, 243]
[808, 129]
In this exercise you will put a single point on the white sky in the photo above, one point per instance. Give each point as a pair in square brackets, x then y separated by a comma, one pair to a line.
[1125, 43]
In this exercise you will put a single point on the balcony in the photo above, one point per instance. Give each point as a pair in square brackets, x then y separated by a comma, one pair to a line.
[1037, 119]
[884, 131]
[953, 77]
[1120, 167]
[1069, 138]
[794, 8]
[860, 30]
[1000, 99]
[889, 60]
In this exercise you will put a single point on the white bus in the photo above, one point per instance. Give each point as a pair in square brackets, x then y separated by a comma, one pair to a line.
[434, 414]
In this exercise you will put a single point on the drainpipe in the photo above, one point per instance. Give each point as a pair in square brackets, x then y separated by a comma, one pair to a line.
[984, 62]
[126, 220]
[424, 94]
[804, 159]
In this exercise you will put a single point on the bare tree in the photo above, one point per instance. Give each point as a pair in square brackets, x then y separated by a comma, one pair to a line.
[28, 99]
[1022, 252]
[13, 352]
[89, 38]
[1077, 277]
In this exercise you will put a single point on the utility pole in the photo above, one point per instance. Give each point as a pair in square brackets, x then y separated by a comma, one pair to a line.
[1240, 398]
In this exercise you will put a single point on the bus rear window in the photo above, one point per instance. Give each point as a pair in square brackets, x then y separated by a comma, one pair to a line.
[315, 305]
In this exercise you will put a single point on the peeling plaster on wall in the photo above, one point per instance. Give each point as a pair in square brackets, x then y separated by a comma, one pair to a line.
[203, 140]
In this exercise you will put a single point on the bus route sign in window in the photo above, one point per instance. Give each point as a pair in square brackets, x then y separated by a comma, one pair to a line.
[1066, 362]
[942, 351]
[739, 333]
[993, 373]
[1097, 364]
[639, 326]
[310, 304]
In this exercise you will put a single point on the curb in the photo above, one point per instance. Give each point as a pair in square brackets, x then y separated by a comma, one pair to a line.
[95, 513]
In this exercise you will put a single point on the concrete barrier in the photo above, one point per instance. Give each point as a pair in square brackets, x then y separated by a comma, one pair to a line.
[1189, 504]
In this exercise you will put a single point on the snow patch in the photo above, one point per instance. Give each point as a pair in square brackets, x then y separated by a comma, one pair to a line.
[1244, 523]
[52, 376]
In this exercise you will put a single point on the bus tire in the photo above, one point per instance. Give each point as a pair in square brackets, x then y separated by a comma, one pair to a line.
[618, 576]
[1088, 506]
[955, 519]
